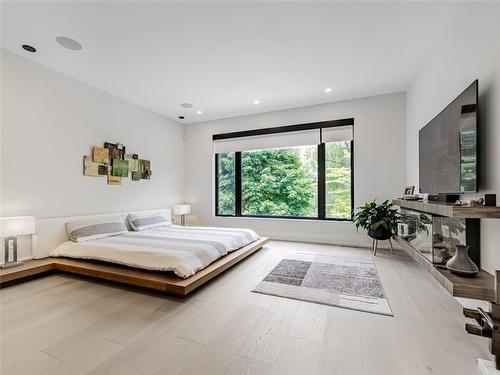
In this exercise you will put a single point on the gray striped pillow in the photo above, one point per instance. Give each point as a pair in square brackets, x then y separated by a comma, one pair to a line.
[92, 229]
[140, 222]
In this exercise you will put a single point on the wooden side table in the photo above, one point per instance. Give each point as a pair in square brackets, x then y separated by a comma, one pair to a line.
[28, 270]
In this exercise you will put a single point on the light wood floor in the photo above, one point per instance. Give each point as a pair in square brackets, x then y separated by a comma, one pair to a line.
[68, 325]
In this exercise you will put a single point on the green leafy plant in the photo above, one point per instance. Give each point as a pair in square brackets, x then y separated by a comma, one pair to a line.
[375, 216]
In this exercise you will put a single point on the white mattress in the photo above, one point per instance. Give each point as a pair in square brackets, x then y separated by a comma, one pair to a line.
[183, 250]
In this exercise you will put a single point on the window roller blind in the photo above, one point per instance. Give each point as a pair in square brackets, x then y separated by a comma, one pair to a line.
[268, 141]
[337, 134]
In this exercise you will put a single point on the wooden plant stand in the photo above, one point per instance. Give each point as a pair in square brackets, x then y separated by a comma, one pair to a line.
[375, 246]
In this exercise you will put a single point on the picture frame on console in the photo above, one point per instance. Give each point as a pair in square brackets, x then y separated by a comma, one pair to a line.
[409, 190]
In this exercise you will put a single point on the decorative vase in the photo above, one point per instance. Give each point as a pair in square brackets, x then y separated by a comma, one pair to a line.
[380, 234]
[461, 264]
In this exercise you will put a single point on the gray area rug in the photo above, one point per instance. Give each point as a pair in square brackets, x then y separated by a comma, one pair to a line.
[350, 282]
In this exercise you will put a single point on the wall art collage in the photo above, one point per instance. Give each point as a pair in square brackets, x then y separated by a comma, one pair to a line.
[113, 161]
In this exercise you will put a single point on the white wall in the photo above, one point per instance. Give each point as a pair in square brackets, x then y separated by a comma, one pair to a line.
[379, 163]
[470, 50]
[49, 122]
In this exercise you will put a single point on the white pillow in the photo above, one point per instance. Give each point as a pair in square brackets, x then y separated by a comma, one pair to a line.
[92, 229]
[145, 221]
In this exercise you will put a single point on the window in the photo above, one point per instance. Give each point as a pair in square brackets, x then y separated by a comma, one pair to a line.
[298, 171]
[280, 182]
[225, 184]
[338, 180]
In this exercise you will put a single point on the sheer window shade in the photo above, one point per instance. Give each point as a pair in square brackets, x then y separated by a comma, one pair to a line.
[268, 141]
[337, 134]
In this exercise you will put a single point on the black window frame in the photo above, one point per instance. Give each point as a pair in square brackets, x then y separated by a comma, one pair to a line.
[321, 154]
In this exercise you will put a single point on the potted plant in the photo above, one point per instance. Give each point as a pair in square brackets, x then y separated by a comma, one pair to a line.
[380, 220]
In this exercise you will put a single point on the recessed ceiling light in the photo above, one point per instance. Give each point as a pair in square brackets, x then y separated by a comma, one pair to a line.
[256, 102]
[181, 117]
[328, 89]
[199, 112]
[186, 105]
[29, 48]
[69, 43]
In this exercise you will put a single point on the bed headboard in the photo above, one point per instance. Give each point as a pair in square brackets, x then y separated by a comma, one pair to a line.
[50, 233]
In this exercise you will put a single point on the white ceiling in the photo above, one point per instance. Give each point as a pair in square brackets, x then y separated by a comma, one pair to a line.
[221, 56]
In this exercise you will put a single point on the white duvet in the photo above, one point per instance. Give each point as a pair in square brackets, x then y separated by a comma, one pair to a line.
[183, 250]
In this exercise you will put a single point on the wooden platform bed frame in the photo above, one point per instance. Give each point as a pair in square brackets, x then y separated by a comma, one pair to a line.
[160, 281]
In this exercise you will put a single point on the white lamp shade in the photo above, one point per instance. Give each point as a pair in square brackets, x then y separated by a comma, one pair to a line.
[17, 226]
[182, 209]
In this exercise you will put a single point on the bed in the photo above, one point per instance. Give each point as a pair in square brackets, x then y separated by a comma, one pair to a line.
[182, 250]
[149, 259]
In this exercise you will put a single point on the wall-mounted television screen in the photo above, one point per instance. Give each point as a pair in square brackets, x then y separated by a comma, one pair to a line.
[448, 149]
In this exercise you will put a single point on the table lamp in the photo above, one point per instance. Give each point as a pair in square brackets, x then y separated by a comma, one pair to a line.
[10, 228]
[182, 210]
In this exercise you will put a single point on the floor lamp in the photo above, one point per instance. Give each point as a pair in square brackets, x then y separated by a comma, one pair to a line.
[10, 228]
[182, 210]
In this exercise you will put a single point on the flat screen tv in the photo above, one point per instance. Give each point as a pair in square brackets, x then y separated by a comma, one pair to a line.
[448, 149]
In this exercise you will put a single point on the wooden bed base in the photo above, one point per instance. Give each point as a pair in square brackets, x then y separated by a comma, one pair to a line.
[161, 281]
